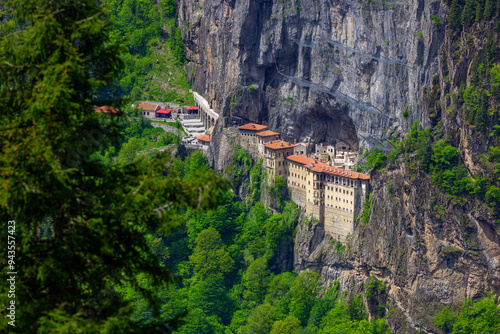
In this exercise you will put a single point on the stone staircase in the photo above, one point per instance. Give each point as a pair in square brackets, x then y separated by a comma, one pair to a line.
[194, 127]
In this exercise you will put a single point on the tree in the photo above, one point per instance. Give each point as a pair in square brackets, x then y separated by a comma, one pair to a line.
[322, 306]
[209, 256]
[56, 58]
[303, 291]
[474, 316]
[196, 323]
[210, 296]
[276, 235]
[255, 280]
[489, 10]
[259, 321]
[479, 11]
[278, 192]
[129, 151]
[176, 43]
[288, 326]
[454, 15]
[168, 7]
[468, 13]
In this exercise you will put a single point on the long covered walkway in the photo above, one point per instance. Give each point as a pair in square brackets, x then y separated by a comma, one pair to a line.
[208, 117]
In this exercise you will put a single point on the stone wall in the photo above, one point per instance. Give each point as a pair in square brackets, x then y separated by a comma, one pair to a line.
[166, 127]
[249, 141]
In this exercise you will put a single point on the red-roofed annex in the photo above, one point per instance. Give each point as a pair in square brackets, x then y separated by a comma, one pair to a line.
[204, 139]
[267, 133]
[253, 127]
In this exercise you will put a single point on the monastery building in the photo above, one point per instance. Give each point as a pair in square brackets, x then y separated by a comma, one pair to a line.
[330, 194]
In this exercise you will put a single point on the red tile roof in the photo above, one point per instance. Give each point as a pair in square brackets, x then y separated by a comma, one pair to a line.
[301, 159]
[321, 167]
[205, 138]
[253, 126]
[267, 133]
[279, 145]
[147, 106]
[107, 109]
[164, 111]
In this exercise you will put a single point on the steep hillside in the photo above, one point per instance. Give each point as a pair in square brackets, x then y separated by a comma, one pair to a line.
[155, 52]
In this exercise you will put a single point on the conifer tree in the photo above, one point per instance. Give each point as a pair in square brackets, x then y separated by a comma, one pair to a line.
[55, 58]
[454, 16]
[479, 11]
[468, 13]
[489, 10]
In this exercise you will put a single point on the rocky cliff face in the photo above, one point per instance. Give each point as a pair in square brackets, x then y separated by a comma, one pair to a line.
[322, 71]
[431, 250]
[317, 70]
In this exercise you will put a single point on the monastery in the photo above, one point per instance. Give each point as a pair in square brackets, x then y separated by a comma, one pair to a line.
[317, 183]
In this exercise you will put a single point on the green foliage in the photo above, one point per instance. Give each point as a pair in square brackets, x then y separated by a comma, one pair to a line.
[406, 113]
[209, 256]
[437, 21]
[259, 321]
[177, 44]
[154, 62]
[374, 293]
[197, 322]
[474, 316]
[454, 16]
[57, 57]
[256, 280]
[322, 306]
[303, 292]
[367, 211]
[350, 319]
[290, 100]
[468, 15]
[242, 163]
[278, 192]
[210, 296]
[375, 159]
[339, 248]
[256, 178]
[463, 13]
[288, 326]
[168, 8]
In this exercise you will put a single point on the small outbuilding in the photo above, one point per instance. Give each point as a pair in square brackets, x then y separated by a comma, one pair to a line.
[204, 140]
[192, 110]
[164, 113]
[148, 110]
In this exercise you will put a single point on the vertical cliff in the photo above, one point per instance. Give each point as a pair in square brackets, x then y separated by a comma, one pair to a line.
[362, 72]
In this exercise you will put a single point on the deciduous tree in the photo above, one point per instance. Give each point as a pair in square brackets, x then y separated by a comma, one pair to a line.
[209, 256]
